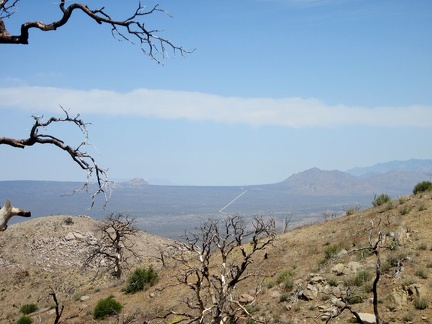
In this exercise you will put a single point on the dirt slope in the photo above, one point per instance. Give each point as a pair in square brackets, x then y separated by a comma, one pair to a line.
[322, 260]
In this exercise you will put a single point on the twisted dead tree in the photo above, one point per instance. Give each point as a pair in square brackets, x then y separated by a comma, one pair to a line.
[113, 249]
[213, 262]
[131, 29]
[85, 160]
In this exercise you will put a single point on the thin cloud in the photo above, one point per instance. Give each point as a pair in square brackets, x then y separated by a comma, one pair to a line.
[195, 106]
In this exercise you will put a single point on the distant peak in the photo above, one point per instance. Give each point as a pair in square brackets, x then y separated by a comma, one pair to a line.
[137, 182]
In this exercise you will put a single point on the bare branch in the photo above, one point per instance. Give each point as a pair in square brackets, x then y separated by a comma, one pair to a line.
[59, 309]
[375, 247]
[131, 29]
[85, 160]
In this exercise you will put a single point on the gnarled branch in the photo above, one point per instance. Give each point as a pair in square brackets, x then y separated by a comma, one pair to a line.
[131, 29]
[82, 158]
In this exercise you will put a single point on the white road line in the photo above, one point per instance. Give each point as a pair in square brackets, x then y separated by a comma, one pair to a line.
[222, 212]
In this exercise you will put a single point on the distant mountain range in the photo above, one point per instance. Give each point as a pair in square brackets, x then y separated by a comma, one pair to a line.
[394, 178]
[414, 165]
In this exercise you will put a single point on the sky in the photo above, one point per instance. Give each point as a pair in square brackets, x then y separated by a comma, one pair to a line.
[272, 88]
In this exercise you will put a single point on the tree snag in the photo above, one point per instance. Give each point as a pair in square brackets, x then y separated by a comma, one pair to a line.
[112, 250]
[85, 160]
[131, 29]
[214, 261]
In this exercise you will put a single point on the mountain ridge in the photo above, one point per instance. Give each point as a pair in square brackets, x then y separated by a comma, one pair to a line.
[417, 165]
[394, 178]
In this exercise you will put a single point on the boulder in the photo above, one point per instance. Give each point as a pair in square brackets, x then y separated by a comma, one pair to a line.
[84, 298]
[315, 279]
[342, 253]
[398, 298]
[79, 236]
[354, 267]
[69, 236]
[246, 299]
[337, 302]
[310, 292]
[338, 269]
[367, 318]
[416, 290]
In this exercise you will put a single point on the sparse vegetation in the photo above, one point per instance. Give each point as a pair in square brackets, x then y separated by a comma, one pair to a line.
[352, 210]
[331, 251]
[106, 307]
[28, 309]
[422, 187]
[25, 320]
[381, 200]
[403, 200]
[422, 246]
[68, 221]
[332, 281]
[421, 273]
[420, 303]
[422, 207]
[284, 297]
[141, 279]
[405, 210]
[362, 277]
[408, 316]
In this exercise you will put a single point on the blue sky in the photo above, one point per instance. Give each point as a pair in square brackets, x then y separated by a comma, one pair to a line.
[273, 88]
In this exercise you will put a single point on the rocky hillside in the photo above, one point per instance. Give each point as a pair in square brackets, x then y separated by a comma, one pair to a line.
[309, 274]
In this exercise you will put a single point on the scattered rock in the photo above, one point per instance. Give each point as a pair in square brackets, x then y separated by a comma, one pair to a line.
[315, 279]
[338, 269]
[246, 299]
[84, 298]
[354, 267]
[309, 293]
[69, 236]
[367, 318]
[342, 253]
[398, 298]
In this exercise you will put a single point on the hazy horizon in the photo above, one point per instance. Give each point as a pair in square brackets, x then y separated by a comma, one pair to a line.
[279, 87]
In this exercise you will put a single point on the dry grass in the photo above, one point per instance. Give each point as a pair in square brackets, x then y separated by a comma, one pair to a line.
[32, 261]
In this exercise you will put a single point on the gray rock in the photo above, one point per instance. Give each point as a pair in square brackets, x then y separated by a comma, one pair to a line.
[69, 236]
[398, 298]
[84, 298]
[353, 267]
[310, 292]
[338, 269]
[246, 299]
[79, 236]
[314, 279]
[342, 253]
[367, 318]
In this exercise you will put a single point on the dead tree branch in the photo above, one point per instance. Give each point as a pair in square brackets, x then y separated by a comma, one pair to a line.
[59, 309]
[374, 247]
[85, 160]
[131, 29]
[112, 251]
[214, 261]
